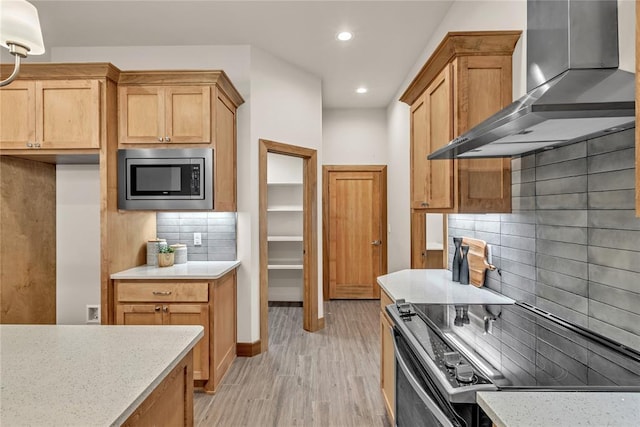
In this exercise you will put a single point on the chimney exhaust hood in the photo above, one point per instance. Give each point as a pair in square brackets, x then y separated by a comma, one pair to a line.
[576, 90]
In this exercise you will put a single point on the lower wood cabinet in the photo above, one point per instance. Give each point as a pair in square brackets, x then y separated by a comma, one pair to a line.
[171, 403]
[211, 304]
[172, 314]
[387, 358]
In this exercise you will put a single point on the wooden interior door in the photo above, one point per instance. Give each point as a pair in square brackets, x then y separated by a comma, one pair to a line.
[357, 206]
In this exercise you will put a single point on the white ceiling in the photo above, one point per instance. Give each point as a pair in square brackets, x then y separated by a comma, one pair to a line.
[389, 36]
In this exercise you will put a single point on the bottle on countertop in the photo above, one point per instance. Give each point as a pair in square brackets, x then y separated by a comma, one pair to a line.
[457, 258]
[464, 265]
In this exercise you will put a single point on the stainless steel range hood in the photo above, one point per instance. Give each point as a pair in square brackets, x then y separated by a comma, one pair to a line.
[576, 91]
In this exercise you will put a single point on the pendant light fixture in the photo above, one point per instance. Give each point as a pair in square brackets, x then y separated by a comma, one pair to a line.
[20, 32]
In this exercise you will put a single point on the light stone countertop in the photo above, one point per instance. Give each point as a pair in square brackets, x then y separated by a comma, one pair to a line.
[84, 375]
[189, 270]
[436, 287]
[534, 409]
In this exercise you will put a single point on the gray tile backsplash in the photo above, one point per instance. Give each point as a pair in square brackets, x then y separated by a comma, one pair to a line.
[217, 229]
[572, 244]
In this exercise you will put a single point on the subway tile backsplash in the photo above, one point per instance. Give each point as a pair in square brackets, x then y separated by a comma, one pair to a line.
[217, 229]
[572, 244]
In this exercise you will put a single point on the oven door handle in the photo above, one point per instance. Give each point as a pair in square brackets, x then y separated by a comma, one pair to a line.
[429, 403]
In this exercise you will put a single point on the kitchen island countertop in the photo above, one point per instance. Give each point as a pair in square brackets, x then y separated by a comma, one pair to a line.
[524, 409]
[190, 270]
[82, 375]
[436, 287]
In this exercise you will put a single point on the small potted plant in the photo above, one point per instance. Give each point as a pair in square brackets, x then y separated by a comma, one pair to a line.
[165, 256]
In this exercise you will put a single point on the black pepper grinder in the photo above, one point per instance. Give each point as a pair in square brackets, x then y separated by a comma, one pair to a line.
[457, 258]
[464, 265]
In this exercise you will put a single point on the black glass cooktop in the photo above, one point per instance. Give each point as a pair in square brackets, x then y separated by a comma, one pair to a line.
[520, 346]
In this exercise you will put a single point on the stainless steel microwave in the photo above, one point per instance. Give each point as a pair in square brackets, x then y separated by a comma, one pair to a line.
[165, 179]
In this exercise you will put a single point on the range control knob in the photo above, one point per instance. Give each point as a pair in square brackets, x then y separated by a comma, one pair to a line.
[464, 373]
[452, 359]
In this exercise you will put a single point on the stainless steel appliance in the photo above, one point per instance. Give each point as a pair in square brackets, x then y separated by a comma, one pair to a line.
[445, 354]
[576, 90]
[160, 179]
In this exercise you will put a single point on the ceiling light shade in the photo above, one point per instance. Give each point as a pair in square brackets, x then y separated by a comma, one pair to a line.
[344, 36]
[19, 32]
[362, 90]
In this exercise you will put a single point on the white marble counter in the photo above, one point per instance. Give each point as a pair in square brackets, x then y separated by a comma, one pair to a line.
[524, 409]
[189, 270]
[81, 375]
[436, 287]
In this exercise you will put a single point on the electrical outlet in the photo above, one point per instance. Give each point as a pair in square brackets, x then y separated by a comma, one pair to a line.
[197, 239]
[93, 314]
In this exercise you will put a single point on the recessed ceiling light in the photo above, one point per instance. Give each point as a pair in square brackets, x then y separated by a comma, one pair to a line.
[362, 90]
[344, 36]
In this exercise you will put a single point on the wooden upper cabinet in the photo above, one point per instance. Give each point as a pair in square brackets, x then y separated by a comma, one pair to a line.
[55, 114]
[194, 108]
[157, 114]
[467, 79]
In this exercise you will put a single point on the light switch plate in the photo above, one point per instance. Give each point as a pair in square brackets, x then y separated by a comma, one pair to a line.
[197, 239]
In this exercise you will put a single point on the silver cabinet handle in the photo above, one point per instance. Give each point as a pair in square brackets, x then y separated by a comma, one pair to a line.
[157, 308]
[160, 139]
[424, 204]
[167, 138]
[376, 242]
[30, 145]
[36, 145]
[164, 293]
[165, 309]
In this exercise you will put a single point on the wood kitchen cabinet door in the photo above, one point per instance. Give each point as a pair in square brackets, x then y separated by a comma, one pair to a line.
[68, 113]
[165, 114]
[55, 114]
[141, 114]
[484, 83]
[431, 128]
[17, 114]
[139, 314]
[225, 155]
[188, 114]
[439, 131]
[192, 314]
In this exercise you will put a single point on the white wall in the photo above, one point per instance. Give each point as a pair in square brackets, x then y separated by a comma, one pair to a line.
[354, 137]
[282, 103]
[286, 106]
[77, 241]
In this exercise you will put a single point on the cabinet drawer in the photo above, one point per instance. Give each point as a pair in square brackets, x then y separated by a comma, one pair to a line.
[163, 291]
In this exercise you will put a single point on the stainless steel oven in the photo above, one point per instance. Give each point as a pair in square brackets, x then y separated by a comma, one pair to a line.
[445, 354]
[158, 179]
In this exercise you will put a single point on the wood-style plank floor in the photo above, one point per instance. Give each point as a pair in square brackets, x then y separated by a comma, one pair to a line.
[327, 378]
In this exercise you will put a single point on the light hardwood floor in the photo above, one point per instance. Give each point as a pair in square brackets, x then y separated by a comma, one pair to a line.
[327, 378]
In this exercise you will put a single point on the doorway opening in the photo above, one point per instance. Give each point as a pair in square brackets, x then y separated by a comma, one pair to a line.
[307, 261]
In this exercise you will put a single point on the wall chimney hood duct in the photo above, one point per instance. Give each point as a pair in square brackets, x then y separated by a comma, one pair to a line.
[576, 90]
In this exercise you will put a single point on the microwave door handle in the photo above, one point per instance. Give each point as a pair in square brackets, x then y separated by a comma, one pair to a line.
[429, 403]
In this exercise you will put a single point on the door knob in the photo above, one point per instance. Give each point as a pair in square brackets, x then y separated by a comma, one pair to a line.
[376, 242]
[157, 308]
[167, 138]
[160, 139]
